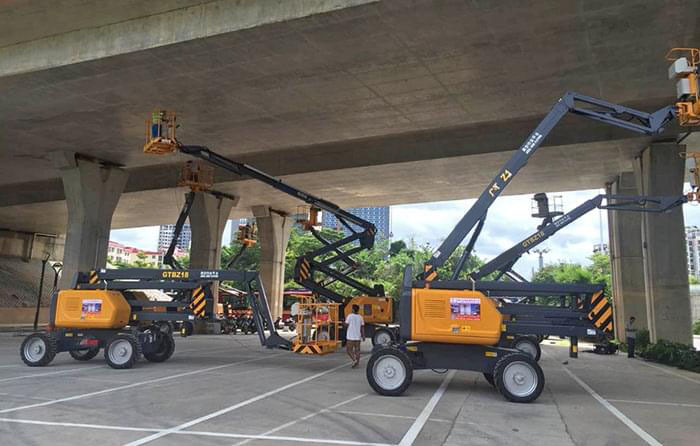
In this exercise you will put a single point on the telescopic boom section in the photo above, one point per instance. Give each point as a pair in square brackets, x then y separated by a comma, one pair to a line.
[243, 169]
[613, 114]
[631, 203]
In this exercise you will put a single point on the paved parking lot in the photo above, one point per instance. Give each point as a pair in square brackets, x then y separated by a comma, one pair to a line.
[227, 390]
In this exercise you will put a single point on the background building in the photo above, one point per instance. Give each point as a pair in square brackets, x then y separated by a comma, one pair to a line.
[692, 237]
[166, 233]
[380, 217]
[116, 253]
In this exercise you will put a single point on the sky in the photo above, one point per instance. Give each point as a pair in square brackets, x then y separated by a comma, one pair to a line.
[508, 222]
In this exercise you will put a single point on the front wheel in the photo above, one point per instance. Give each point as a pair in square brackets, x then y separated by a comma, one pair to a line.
[382, 337]
[389, 371]
[518, 377]
[38, 349]
[122, 351]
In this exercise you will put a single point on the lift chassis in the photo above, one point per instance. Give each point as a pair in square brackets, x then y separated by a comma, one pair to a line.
[103, 310]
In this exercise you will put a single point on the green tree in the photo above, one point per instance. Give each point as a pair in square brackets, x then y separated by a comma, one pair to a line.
[692, 280]
[599, 271]
[142, 261]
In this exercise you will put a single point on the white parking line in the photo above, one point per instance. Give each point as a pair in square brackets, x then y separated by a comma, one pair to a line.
[78, 425]
[37, 375]
[386, 415]
[304, 418]
[130, 386]
[301, 440]
[417, 426]
[644, 435]
[194, 433]
[191, 423]
[670, 372]
[655, 403]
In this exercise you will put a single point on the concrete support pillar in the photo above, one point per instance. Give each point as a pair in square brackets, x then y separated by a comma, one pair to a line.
[92, 192]
[625, 230]
[273, 235]
[664, 250]
[207, 222]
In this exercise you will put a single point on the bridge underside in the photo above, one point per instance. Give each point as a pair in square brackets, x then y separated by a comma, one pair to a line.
[363, 103]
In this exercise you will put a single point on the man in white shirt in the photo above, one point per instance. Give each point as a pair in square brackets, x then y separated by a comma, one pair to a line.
[354, 334]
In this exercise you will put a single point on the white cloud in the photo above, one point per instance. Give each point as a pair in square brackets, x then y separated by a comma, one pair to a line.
[145, 237]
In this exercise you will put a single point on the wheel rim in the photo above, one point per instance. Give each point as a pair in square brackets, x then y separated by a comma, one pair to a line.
[382, 338]
[527, 347]
[389, 372]
[120, 351]
[35, 349]
[520, 378]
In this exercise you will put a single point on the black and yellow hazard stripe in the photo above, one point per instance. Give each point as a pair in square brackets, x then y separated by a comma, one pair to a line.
[199, 302]
[307, 349]
[601, 313]
[93, 278]
[304, 269]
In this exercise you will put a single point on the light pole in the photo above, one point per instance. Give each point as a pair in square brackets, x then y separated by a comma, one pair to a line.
[541, 253]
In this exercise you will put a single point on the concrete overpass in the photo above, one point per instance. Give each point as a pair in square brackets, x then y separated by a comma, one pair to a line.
[362, 102]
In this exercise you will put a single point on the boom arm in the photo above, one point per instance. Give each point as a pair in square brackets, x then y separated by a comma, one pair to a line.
[315, 261]
[570, 102]
[168, 258]
[506, 260]
[244, 169]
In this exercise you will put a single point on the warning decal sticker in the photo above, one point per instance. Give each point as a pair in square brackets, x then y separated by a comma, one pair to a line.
[465, 308]
[90, 308]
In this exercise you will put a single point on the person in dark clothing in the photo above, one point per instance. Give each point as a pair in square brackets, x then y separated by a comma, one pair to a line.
[631, 334]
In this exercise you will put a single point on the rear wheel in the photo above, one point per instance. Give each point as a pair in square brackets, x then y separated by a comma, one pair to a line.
[186, 329]
[38, 349]
[518, 377]
[166, 348]
[528, 345]
[389, 371]
[382, 337]
[85, 354]
[122, 351]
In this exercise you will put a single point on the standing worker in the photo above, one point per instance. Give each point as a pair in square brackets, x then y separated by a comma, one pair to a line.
[631, 333]
[354, 333]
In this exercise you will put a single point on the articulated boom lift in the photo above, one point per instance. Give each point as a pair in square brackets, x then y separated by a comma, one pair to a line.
[456, 324]
[314, 270]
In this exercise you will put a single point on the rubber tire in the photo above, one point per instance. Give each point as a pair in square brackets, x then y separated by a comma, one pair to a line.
[489, 379]
[164, 353]
[186, 329]
[380, 331]
[535, 345]
[401, 356]
[84, 354]
[136, 351]
[500, 367]
[49, 354]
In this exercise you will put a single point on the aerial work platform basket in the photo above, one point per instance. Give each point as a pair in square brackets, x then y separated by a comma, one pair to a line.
[160, 133]
[317, 327]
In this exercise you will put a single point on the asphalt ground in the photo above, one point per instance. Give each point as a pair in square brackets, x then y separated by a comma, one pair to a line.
[227, 390]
